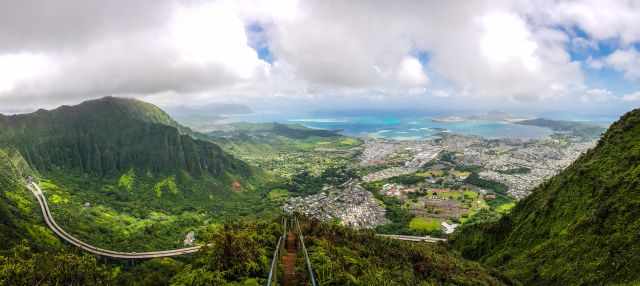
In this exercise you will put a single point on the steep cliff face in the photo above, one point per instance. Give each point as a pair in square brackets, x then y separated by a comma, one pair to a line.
[111, 135]
[582, 227]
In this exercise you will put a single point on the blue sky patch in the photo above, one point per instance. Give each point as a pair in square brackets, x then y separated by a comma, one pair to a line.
[258, 41]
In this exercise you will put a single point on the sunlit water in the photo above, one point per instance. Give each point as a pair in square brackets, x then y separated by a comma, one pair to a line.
[404, 127]
[421, 128]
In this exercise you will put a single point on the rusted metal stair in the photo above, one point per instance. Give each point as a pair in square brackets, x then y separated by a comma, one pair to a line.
[289, 260]
[286, 252]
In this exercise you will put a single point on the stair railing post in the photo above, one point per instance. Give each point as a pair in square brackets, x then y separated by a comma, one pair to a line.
[306, 255]
[273, 272]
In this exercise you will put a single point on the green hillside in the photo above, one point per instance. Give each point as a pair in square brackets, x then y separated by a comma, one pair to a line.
[580, 228]
[19, 211]
[290, 131]
[343, 256]
[109, 136]
[286, 150]
[121, 174]
[239, 254]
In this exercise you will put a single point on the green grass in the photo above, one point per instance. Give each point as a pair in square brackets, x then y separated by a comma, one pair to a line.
[477, 205]
[499, 200]
[470, 195]
[350, 142]
[424, 224]
[505, 208]
[278, 195]
[452, 195]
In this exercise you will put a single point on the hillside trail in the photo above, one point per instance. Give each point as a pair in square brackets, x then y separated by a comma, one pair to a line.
[289, 260]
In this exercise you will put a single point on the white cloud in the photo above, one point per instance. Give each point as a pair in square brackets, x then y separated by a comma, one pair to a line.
[626, 61]
[213, 33]
[600, 19]
[486, 50]
[489, 52]
[201, 46]
[594, 63]
[581, 44]
[440, 93]
[411, 72]
[506, 38]
[631, 96]
[597, 96]
[16, 68]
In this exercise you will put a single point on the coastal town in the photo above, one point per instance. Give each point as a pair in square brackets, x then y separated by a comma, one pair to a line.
[436, 183]
[350, 205]
[520, 165]
[440, 182]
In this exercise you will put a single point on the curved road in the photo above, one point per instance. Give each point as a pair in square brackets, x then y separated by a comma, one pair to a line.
[48, 218]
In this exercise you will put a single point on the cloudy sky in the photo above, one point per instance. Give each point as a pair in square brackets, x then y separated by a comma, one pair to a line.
[535, 56]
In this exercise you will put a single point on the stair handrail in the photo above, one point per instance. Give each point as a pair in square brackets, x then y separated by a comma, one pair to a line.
[306, 254]
[276, 253]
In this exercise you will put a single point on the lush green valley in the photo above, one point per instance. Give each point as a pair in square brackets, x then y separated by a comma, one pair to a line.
[122, 175]
[579, 228]
[287, 150]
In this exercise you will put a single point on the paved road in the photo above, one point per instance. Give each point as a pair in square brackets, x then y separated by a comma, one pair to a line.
[412, 238]
[48, 218]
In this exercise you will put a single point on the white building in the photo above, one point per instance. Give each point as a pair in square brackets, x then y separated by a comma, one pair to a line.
[448, 228]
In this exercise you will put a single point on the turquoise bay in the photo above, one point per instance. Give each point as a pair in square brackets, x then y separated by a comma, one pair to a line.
[403, 126]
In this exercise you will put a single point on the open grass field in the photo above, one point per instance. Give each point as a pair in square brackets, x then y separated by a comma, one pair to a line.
[424, 224]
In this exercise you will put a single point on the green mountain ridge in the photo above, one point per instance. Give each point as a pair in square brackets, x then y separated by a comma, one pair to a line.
[246, 130]
[111, 135]
[579, 228]
[128, 161]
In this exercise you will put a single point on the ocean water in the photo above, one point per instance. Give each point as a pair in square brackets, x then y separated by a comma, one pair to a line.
[421, 128]
[403, 127]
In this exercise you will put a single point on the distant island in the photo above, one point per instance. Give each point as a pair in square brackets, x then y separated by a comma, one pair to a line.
[489, 116]
[449, 119]
[576, 128]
